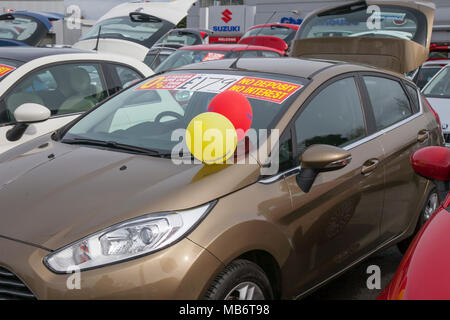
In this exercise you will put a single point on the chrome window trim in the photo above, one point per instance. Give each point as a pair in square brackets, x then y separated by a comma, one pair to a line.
[281, 175]
[375, 135]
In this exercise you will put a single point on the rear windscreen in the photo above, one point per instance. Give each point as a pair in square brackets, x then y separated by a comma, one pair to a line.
[361, 20]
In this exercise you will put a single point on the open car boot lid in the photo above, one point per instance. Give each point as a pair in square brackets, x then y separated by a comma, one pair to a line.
[393, 35]
[132, 28]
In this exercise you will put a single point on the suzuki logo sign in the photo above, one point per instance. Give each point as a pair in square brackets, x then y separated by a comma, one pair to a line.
[227, 16]
[227, 21]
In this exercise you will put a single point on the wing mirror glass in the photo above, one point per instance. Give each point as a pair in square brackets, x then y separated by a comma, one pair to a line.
[320, 158]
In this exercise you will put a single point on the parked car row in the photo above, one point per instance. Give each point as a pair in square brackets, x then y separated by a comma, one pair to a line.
[91, 150]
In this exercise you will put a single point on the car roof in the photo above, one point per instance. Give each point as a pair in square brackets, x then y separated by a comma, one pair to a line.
[296, 67]
[26, 54]
[267, 25]
[227, 47]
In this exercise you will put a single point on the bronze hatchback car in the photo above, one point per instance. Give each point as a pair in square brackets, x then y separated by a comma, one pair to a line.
[105, 209]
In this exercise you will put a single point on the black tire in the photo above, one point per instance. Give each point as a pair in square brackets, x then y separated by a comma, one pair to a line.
[404, 244]
[236, 273]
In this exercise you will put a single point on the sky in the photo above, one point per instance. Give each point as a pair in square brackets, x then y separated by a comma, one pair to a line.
[94, 9]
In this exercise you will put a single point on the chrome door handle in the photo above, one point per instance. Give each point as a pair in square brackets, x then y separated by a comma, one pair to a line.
[369, 166]
[423, 135]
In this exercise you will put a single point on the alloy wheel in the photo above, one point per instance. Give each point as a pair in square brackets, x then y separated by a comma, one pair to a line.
[245, 291]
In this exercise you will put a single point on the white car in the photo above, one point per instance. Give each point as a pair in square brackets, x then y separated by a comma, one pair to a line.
[132, 28]
[43, 89]
[427, 71]
[437, 92]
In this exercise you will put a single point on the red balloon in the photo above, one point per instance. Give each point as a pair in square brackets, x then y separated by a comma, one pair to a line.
[236, 108]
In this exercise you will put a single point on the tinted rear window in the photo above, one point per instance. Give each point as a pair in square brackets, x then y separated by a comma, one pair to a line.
[367, 21]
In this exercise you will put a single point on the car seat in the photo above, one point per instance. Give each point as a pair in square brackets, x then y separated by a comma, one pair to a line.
[83, 98]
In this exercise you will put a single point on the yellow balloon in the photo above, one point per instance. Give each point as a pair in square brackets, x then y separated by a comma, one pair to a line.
[211, 138]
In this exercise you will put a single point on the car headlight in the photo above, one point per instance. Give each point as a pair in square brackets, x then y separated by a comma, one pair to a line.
[125, 241]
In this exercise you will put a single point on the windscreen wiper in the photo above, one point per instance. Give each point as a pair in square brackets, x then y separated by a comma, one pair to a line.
[116, 146]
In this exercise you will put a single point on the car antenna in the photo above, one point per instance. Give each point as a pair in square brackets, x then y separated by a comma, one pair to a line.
[98, 38]
[234, 64]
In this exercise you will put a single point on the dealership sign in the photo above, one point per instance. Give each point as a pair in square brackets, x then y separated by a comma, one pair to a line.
[227, 20]
[291, 20]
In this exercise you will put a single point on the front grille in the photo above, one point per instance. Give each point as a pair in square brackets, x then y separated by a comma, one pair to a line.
[12, 288]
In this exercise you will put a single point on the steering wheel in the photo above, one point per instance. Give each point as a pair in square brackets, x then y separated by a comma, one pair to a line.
[167, 114]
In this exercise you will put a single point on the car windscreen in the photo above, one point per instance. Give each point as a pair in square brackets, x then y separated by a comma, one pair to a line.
[439, 86]
[362, 21]
[7, 66]
[185, 57]
[146, 115]
[145, 32]
[286, 34]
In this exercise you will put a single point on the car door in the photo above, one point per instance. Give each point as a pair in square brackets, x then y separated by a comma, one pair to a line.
[403, 130]
[67, 90]
[338, 220]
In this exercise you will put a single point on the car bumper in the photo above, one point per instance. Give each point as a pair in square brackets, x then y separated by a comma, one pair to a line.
[182, 271]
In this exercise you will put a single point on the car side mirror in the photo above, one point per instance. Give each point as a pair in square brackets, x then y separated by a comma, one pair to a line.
[434, 163]
[320, 158]
[25, 115]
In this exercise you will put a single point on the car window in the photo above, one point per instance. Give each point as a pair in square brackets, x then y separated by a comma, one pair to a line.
[333, 117]
[250, 54]
[64, 89]
[424, 75]
[286, 34]
[356, 20]
[439, 87]
[126, 29]
[127, 76]
[389, 101]
[286, 159]
[269, 54]
[18, 28]
[185, 57]
[414, 96]
[154, 59]
[184, 38]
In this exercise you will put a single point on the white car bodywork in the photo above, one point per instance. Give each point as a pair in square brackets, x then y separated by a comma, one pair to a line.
[37, 129]
[172, 12]
[442, 107]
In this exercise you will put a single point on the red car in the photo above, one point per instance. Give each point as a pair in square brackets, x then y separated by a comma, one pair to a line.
[203, 53]
[424, 270]
[284, 31]
[439, 51]
[268, 34]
